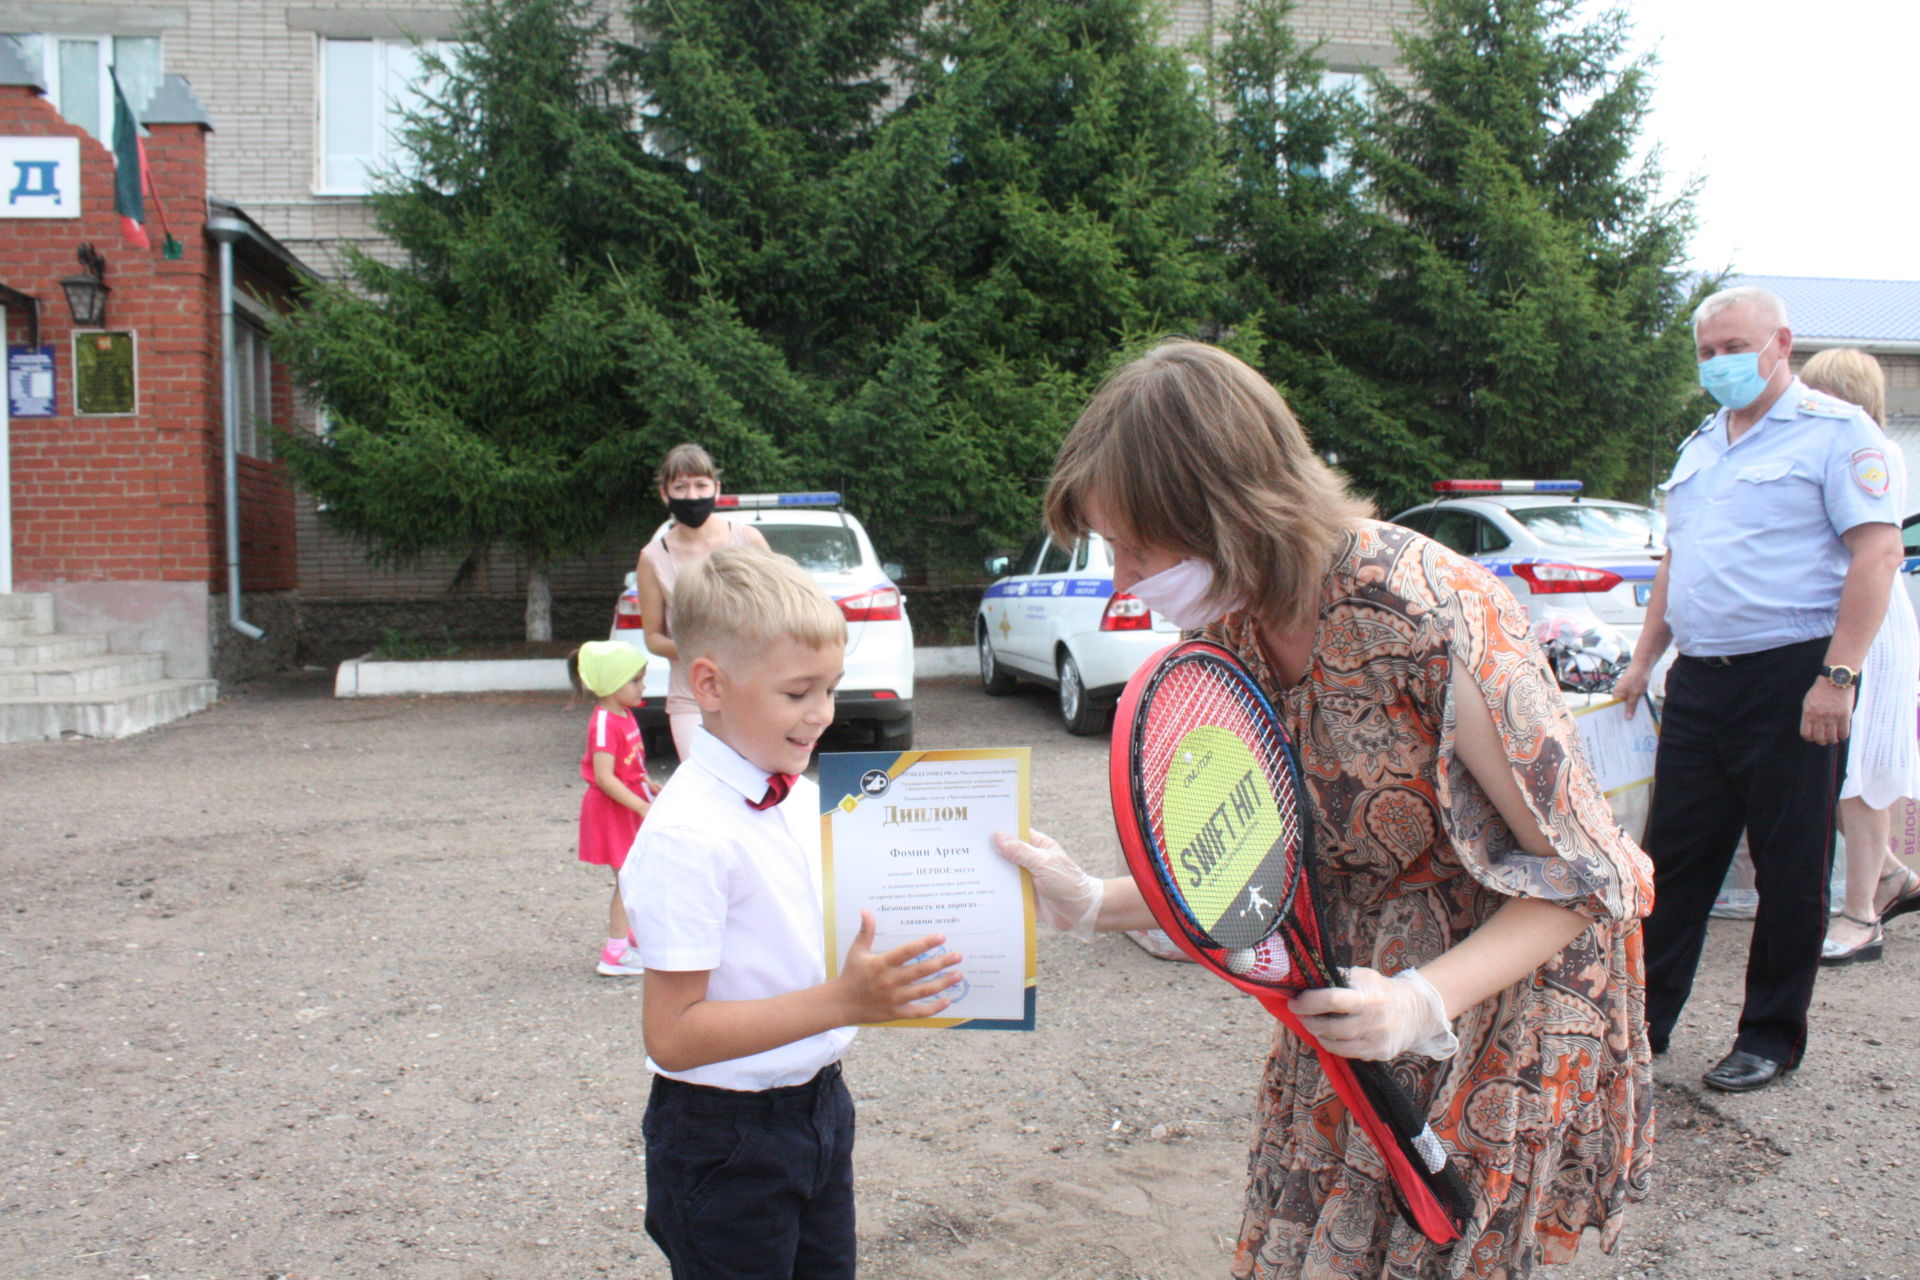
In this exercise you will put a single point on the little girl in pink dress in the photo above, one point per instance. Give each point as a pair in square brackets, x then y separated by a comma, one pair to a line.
[615, 763]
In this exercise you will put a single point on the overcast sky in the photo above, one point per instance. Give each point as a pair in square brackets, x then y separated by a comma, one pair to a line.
[1803, 122]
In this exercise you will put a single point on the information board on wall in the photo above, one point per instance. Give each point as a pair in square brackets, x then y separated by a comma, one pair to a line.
[32, 388]
[104, 367]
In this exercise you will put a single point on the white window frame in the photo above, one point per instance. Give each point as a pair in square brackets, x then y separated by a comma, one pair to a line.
[103, 59]
[390, 114]
[1333, 79]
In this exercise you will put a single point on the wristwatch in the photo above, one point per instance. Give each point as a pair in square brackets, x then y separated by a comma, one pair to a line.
[1844, 677]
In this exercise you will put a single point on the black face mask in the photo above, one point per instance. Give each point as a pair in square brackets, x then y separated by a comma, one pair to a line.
[691, 512]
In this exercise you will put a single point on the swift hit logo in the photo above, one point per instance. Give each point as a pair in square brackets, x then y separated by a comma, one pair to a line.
[1223, 832]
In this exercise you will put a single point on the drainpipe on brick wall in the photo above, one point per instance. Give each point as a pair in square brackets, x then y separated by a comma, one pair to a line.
[224, 232]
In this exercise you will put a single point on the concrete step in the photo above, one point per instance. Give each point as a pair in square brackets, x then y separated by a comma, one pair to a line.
[25, 615]
[116, 714]
[102, 673]
[41, 650]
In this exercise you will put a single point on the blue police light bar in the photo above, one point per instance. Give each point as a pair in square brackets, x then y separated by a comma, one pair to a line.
[743, 501]
[1506, 486]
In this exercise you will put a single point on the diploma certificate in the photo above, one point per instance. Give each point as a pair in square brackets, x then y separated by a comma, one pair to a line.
[1619, 751]
[909, 837]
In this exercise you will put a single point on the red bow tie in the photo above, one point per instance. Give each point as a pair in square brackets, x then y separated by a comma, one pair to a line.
[778, 784]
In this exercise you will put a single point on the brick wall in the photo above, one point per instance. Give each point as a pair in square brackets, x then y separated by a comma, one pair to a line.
[98, 498]
[134, 497]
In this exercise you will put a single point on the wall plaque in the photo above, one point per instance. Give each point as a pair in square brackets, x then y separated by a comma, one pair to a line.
[104, 372]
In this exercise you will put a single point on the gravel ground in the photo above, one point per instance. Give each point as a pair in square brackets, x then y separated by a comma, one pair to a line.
[303, 988]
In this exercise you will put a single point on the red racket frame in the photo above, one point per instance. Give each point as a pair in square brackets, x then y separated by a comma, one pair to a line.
[1428, 1214]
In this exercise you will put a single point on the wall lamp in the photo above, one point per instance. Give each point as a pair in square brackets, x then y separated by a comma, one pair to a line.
[87, 292]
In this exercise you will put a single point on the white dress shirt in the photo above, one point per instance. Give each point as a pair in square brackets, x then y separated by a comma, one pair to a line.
[713, 884]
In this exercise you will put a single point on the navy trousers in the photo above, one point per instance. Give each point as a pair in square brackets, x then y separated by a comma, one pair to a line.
[752, 1186]
[1731, 758]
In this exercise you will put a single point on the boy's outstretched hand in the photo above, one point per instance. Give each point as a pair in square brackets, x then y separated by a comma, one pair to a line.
[892, 984]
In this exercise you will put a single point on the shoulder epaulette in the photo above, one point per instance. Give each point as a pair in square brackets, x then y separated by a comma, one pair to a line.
[1697, 432]
[1816, 405]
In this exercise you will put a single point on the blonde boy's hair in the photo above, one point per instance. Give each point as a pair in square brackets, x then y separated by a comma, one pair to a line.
[741, 601]
[1189, 450]
[1854, 376]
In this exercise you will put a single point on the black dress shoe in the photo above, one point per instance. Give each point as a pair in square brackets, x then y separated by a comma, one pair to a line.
[1740, 1071]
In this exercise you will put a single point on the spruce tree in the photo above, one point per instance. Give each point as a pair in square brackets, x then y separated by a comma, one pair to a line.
[1296, 220]
[508, 378]
[768, 108]
[1528, 317]
[1078, 183]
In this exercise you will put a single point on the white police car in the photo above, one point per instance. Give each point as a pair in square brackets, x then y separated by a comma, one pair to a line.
[1592, 559]
[830, 545]
[1052, 616]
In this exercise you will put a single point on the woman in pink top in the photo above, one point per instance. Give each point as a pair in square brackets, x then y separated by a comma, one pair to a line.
[689, 485]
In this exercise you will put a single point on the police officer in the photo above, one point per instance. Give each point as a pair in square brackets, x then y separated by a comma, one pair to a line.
[1783, 539]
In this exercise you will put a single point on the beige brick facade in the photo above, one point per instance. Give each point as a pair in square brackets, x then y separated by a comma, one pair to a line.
[254, 65]
[1353, 34]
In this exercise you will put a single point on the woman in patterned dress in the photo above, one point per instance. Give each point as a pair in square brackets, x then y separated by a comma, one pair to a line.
[1490, 901]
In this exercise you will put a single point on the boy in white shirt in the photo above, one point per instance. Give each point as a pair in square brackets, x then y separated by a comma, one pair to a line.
[749, 1128]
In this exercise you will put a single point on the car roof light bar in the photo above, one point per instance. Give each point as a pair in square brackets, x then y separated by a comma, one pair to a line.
[745, 501]
[1506, 486]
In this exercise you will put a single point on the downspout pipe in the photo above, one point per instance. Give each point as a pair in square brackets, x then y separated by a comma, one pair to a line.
[224, 232]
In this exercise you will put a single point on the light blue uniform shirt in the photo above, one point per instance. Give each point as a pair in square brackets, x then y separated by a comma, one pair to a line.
[1755, 559]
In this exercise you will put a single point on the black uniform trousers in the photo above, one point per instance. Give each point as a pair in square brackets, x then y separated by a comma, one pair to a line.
[752, 1185]
[1731, 758]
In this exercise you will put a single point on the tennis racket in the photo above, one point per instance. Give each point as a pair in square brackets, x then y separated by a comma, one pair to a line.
[1215, 824]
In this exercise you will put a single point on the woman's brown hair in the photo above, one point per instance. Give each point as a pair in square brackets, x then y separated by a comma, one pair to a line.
[686, 460]
[1189, 450]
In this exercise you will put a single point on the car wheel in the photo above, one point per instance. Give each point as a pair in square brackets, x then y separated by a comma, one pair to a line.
[896, 735]
[1076, 708]
[996, 682]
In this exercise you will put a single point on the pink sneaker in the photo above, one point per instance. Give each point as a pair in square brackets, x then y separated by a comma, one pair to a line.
[620, 962]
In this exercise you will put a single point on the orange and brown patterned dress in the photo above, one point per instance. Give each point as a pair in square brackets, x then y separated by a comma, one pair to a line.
[1547, 1108]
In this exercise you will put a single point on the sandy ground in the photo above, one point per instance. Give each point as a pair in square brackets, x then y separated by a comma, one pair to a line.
[302, 988]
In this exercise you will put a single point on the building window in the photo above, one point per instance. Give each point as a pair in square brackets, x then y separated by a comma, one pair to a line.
[367, 89]
[1357, 90]
[252, 389]
[75, 68]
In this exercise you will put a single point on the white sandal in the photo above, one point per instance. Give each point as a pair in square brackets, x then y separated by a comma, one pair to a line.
[1832, 953]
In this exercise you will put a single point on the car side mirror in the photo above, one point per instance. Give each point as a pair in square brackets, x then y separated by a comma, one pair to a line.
[997, 565]
[893, 570]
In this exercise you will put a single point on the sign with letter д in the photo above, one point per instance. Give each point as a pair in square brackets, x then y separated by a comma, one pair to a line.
[39, 177]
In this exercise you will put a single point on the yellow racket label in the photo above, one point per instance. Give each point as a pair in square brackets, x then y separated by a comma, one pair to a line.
[1225, 841]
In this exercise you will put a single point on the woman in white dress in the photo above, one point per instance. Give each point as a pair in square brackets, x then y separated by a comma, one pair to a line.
[1883, 756]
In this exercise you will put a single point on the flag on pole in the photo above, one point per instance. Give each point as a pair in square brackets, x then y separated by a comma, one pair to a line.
[129, 170]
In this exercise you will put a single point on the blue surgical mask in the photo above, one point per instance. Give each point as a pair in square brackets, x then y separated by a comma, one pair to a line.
[1735, 380]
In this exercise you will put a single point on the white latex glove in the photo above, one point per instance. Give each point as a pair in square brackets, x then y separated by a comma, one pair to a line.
[1376, 1018]
[1066, 897]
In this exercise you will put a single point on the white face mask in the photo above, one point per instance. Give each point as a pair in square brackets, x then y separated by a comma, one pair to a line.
[1183, 594]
